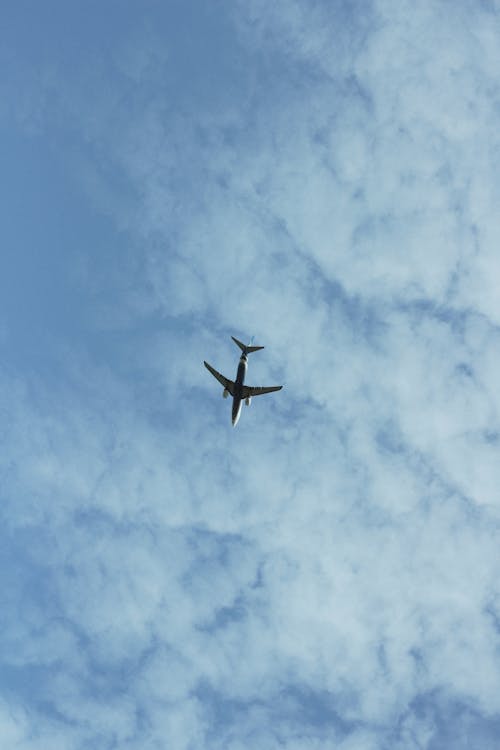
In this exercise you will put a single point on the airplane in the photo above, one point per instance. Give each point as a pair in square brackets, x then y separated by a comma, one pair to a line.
[237, 389]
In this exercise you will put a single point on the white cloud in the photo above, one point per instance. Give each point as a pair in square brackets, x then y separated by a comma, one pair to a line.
[203, 586]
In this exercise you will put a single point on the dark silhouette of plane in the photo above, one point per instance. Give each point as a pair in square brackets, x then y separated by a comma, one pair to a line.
[237, 388]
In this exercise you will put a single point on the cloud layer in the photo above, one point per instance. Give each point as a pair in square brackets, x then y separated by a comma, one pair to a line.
[324, 177]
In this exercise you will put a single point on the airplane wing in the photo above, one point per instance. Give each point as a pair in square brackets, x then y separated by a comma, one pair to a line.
[228, 384]
[251, 391]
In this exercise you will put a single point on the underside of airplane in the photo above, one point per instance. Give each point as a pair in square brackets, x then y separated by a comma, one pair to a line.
[237, 388]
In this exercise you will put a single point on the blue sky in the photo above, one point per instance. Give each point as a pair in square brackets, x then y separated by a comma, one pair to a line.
[323, 177]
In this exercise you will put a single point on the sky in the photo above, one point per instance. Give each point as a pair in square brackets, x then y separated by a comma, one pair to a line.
[324, 177]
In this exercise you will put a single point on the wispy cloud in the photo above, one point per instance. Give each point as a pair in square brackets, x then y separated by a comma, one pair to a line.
[324, 178]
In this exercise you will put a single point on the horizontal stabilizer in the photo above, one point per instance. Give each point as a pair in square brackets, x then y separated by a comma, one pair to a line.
[246, 349]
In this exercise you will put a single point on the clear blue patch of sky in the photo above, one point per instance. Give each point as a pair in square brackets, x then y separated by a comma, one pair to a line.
[48, 227]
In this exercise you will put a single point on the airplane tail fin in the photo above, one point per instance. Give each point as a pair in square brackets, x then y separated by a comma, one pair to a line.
[245, 348]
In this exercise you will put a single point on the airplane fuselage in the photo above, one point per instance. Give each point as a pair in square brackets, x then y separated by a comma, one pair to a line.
[238, 387]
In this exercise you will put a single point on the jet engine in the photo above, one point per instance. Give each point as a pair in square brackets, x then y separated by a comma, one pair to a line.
[225, 393]
[248, 400]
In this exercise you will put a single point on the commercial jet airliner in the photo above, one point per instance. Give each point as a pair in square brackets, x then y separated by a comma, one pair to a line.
[237, 388]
